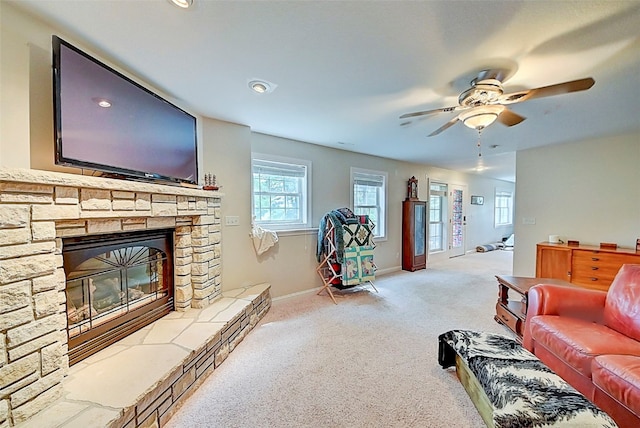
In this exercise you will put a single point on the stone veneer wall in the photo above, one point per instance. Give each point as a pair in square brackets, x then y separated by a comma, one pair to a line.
[37, 209]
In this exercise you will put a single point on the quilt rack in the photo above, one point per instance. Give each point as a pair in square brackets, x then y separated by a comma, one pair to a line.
[345, 251]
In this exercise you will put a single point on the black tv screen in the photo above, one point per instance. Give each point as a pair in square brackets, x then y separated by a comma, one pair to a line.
[106, 122]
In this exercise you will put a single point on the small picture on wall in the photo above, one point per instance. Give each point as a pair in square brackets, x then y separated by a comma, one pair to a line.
[477, 200]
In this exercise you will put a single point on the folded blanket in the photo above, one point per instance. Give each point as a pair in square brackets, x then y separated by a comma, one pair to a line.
[336, 219]
[488, 247]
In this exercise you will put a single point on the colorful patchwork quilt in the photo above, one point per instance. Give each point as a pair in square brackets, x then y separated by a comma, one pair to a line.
[358, 266]
[357, 235]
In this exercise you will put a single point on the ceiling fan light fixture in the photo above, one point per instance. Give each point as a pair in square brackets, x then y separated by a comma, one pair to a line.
[482, 116]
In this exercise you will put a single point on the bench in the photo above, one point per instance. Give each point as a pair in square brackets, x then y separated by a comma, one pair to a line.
[510, 387]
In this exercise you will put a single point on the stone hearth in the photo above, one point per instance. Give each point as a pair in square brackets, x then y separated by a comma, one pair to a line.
[141, 380]
[38, 209]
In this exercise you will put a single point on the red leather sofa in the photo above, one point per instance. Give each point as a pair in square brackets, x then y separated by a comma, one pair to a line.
[592, 340]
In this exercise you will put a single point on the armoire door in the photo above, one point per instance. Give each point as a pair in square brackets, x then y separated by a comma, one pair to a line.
[414, 235]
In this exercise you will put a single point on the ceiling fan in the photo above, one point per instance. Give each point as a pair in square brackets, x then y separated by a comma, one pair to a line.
[485, 101]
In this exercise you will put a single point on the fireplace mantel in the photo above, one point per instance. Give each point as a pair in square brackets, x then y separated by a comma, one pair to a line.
[38, 209]
[34, 176]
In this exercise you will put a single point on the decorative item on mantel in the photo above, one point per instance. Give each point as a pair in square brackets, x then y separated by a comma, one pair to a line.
[638, 244]
[412, 189]
[210, 182]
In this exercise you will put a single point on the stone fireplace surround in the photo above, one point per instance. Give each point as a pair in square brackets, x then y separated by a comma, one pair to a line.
[38, 209]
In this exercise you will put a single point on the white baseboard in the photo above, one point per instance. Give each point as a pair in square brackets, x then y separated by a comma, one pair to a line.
[297, 293]
[387, 271]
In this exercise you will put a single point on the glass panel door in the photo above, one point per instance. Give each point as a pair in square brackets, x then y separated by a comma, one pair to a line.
[420, 227]
[437, 217]
[457, 221]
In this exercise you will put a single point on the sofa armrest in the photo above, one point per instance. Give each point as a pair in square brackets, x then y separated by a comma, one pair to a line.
[574, 302]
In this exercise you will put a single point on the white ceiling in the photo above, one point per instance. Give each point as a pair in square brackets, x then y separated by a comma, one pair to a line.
[345, 70]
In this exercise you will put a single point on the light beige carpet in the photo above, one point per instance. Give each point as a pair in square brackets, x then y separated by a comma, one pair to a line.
[370, 361]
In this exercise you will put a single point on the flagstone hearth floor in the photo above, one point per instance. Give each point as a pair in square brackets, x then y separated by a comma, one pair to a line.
[141, 379]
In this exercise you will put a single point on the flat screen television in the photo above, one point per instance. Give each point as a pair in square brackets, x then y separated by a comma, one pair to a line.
[106, 122]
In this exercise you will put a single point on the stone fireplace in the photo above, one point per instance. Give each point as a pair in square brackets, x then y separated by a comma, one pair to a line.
[41, 213]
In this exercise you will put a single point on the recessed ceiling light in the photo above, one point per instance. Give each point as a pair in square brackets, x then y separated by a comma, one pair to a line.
[102, 102]
[184, 4]
[262, 86]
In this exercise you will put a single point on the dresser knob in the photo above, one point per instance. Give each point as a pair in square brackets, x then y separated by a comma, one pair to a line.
[595, 259]
[594, 268]
[594, 279]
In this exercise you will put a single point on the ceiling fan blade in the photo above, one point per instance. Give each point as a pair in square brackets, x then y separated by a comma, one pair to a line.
[509, 118]
[547, 91]
[437, 110]
[443, 127]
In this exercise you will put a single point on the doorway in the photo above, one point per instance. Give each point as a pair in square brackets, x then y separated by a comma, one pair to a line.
[437, 217]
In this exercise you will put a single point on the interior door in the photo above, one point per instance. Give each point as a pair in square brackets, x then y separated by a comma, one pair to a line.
[457, 220]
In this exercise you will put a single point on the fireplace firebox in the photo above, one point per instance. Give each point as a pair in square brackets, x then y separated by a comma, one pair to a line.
[115, 285]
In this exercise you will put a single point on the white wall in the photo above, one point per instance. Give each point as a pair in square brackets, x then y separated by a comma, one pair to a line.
[16, 32]
[587, 191]
[331, 186]
[331, 178]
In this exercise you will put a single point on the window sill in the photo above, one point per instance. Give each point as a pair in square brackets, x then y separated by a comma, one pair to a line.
[296, 232]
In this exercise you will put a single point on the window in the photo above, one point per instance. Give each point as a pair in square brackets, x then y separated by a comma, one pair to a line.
[369, 196]
[281, 192]
[503, 208]
[437, 216]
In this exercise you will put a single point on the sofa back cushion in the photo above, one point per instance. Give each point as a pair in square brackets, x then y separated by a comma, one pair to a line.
[622, 307]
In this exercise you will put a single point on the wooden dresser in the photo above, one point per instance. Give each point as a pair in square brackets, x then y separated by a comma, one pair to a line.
[584, 265]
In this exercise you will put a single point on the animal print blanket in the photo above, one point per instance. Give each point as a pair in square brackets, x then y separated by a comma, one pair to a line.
[524, 392]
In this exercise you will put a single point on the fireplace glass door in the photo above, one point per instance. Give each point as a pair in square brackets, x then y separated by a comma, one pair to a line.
[115, 285]
[112, 284]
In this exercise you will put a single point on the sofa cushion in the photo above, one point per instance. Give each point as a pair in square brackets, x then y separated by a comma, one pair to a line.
[577, 342]
[622, 307]
[619, 376]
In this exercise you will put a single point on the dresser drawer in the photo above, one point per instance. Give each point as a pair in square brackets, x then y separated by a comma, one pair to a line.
[603, 259]
[595, 270]
[594, 282]
[507, 318]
